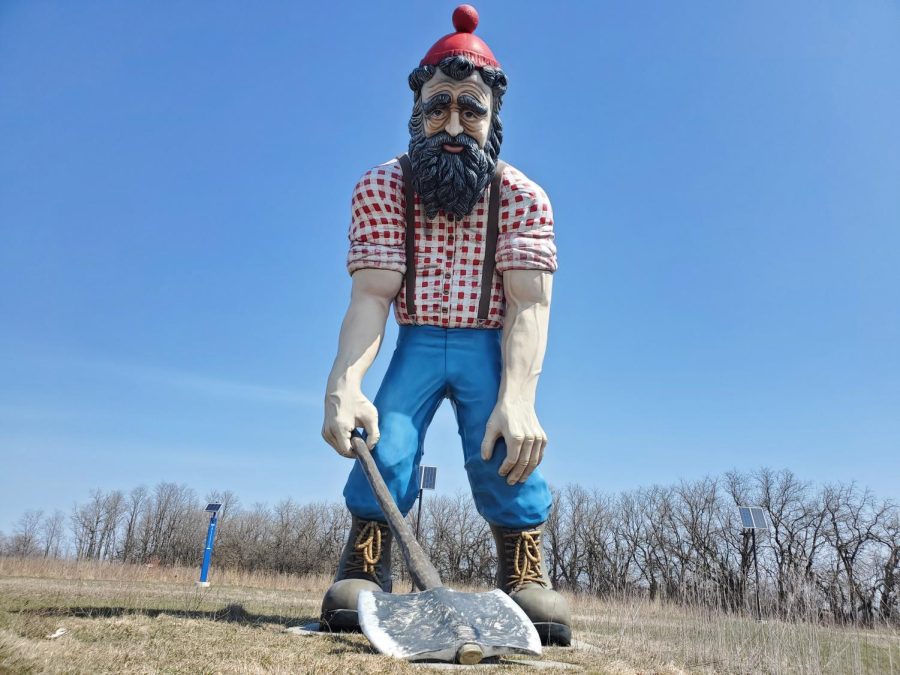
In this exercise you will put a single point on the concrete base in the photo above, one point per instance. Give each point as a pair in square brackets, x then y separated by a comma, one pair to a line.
[501, 663]
[203, 584]
[314, 628]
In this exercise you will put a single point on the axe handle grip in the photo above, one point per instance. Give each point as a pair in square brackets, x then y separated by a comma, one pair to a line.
[423, 573]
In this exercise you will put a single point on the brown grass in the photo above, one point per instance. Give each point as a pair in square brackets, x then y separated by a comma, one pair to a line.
[136, 619]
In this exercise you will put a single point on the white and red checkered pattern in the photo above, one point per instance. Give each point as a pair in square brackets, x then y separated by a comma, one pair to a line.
[449, 253]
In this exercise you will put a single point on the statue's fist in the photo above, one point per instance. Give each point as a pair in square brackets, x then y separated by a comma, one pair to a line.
[345, 411]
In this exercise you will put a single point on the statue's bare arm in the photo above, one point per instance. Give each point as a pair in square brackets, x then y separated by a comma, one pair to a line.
[528, 295]
[362, 332]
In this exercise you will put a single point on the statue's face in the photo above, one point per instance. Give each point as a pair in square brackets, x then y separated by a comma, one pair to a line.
[457, 107]
[451, 143]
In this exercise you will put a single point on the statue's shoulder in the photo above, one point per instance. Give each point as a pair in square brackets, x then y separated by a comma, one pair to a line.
[390, 170]
[382, 183]
[519, 188]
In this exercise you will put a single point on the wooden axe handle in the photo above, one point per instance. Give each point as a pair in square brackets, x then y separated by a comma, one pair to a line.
[423, 573]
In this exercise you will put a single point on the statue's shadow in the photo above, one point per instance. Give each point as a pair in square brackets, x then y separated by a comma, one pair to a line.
[234, 613]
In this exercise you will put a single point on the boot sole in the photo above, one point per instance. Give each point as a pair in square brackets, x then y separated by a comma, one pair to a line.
[341, 621]
[554, 634]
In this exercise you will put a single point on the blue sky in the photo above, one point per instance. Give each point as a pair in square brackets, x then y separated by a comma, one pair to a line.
[174, 199]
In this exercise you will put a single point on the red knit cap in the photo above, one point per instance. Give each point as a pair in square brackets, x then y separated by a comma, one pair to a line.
[462, 42]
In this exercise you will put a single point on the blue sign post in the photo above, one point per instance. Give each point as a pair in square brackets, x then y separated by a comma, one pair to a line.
[210, 539]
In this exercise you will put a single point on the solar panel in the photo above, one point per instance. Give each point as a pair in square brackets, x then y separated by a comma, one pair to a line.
[212, 508]
[753, 518]
[427, 477]
[759, 518]
[746, 517]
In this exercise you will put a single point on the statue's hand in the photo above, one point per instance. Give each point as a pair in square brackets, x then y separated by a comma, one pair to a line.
[346, 408]
[517, 423]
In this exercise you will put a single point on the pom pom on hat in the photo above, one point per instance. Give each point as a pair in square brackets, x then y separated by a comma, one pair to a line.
[465, 19]
[463, 42]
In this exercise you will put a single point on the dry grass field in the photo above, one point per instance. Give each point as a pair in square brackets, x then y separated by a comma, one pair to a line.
[135, 619]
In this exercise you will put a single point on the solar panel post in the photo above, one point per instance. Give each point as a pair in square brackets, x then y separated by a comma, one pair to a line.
[210, 539]
[427, 480]
[756, 567]
[753, 518]
[419, 517]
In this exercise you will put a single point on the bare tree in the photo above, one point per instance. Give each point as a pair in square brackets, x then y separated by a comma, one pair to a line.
[889, 602]
[133, 510]
[25, 541]
[856, 520]
[52, 531]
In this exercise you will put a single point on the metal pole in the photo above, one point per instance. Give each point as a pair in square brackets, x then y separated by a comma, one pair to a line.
[207, 552]
[419, 517]
[418, 529]
[756, 566]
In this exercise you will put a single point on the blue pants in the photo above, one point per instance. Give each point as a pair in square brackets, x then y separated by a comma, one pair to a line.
[428, 365]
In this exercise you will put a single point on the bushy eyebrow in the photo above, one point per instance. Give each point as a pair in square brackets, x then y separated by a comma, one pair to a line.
[472, 104]
[436, 101]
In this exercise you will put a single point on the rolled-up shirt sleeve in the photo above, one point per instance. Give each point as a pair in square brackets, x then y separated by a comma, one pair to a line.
[377, 224]
[526, 240]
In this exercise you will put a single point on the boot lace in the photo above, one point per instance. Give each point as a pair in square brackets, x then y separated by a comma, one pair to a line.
[525, 547]
[366, 550]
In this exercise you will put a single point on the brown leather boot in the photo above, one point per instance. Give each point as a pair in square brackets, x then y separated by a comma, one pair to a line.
[520, 573]
[365, 565]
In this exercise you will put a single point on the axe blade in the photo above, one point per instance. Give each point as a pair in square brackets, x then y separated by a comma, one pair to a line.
[434, 624]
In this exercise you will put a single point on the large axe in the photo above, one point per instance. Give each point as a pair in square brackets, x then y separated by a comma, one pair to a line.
[437, 623]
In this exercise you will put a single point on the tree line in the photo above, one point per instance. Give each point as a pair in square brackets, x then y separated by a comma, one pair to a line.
[831, 552]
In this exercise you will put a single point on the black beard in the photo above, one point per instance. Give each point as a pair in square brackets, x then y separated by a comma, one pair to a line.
[452, 182]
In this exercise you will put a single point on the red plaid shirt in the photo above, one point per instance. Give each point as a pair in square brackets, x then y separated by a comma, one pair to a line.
[449, 253]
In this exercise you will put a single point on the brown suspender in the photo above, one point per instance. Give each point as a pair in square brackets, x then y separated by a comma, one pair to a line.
[490, 243]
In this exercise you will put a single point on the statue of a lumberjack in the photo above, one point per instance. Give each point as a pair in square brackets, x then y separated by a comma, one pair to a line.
[463, 246]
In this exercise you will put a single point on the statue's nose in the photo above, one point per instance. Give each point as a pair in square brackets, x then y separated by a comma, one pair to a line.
[454, 127]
